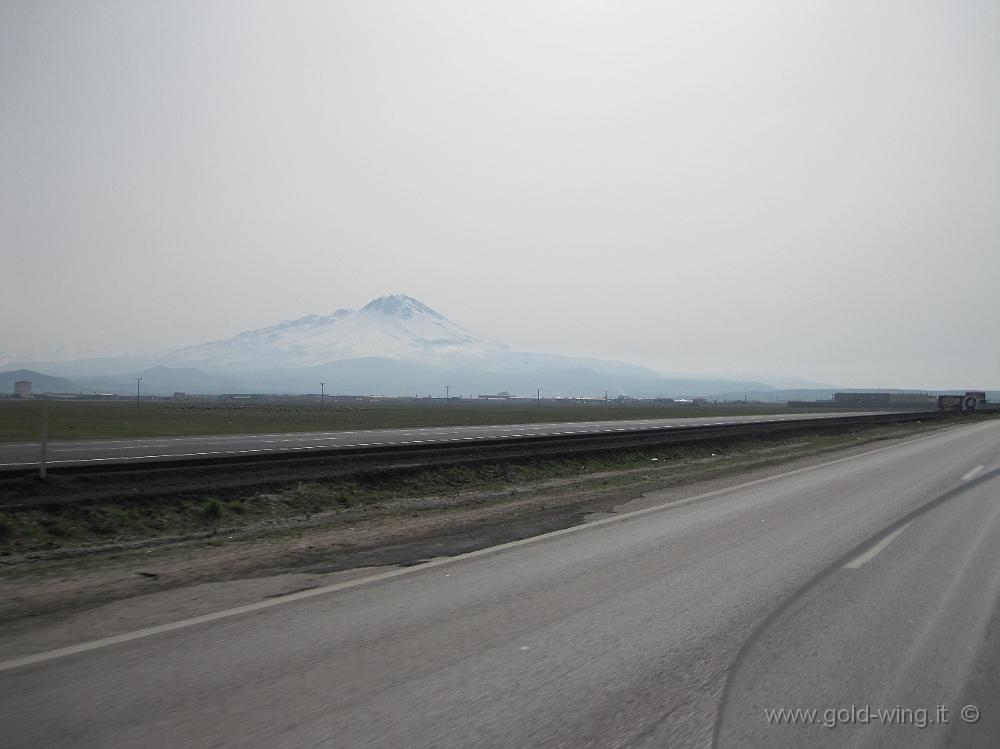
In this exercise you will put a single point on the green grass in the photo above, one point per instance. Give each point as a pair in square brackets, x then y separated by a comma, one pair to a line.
[20, 421]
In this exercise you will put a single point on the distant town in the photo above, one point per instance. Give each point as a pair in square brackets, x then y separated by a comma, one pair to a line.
[847, 400]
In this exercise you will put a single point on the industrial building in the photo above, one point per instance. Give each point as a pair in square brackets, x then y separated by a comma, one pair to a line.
[884, 400]
[22, 389]
[861, 400]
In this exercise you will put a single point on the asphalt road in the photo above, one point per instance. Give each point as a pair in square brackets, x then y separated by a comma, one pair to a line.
[27, 454]
[617, 633]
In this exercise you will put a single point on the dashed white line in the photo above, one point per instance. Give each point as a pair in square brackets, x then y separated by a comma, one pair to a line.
[973, 473]
[292, 442]
[874, 551]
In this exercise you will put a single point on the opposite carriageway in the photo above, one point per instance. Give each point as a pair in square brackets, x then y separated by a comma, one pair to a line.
[232, 465]
[110, 454]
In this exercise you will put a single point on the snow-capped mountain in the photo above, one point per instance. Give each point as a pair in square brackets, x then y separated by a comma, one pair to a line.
[395, 327]
[394, 345]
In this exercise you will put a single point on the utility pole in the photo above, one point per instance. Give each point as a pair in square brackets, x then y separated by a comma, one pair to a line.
[137, 381]
[447, 394]
[322, 393]
[538, 397]
[45, 440]
[605, 397]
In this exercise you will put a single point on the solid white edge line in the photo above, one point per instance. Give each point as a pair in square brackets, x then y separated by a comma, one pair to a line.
[863, 559]
[271, 602]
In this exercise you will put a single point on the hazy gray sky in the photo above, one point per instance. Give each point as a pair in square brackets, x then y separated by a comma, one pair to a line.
[810, 188]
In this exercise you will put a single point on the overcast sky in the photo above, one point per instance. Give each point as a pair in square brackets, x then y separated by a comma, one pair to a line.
[805, 188]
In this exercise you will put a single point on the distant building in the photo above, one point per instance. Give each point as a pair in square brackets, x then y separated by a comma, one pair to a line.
[502, 395]
[22, 389]
[179, 395]
[811, 404]
[885, 400]
[861, 400]
[913, 399]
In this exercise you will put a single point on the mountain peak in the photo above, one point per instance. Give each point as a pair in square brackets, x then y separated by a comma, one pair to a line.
[400, 305]
[390, 327]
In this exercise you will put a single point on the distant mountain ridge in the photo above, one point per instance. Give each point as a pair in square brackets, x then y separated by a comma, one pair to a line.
[40, 383]
[394, 345]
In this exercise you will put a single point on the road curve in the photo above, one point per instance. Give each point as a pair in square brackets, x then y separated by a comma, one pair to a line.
[616, 633]
[14, 456]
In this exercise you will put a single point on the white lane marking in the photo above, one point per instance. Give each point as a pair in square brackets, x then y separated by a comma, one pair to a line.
[973, 473]
[863, 559]
[268, 603]
[152, 441]
[102, 449]
[577, 428]
[138, 443]
[136, 457]
[190, 455]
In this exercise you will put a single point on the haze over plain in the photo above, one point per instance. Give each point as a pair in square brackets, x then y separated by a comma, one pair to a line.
[729, 190]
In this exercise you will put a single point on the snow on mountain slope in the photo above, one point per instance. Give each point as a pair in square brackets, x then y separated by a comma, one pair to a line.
[391, 327]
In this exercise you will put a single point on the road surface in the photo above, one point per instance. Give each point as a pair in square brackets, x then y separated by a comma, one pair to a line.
[84, 452]
[618, 633]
